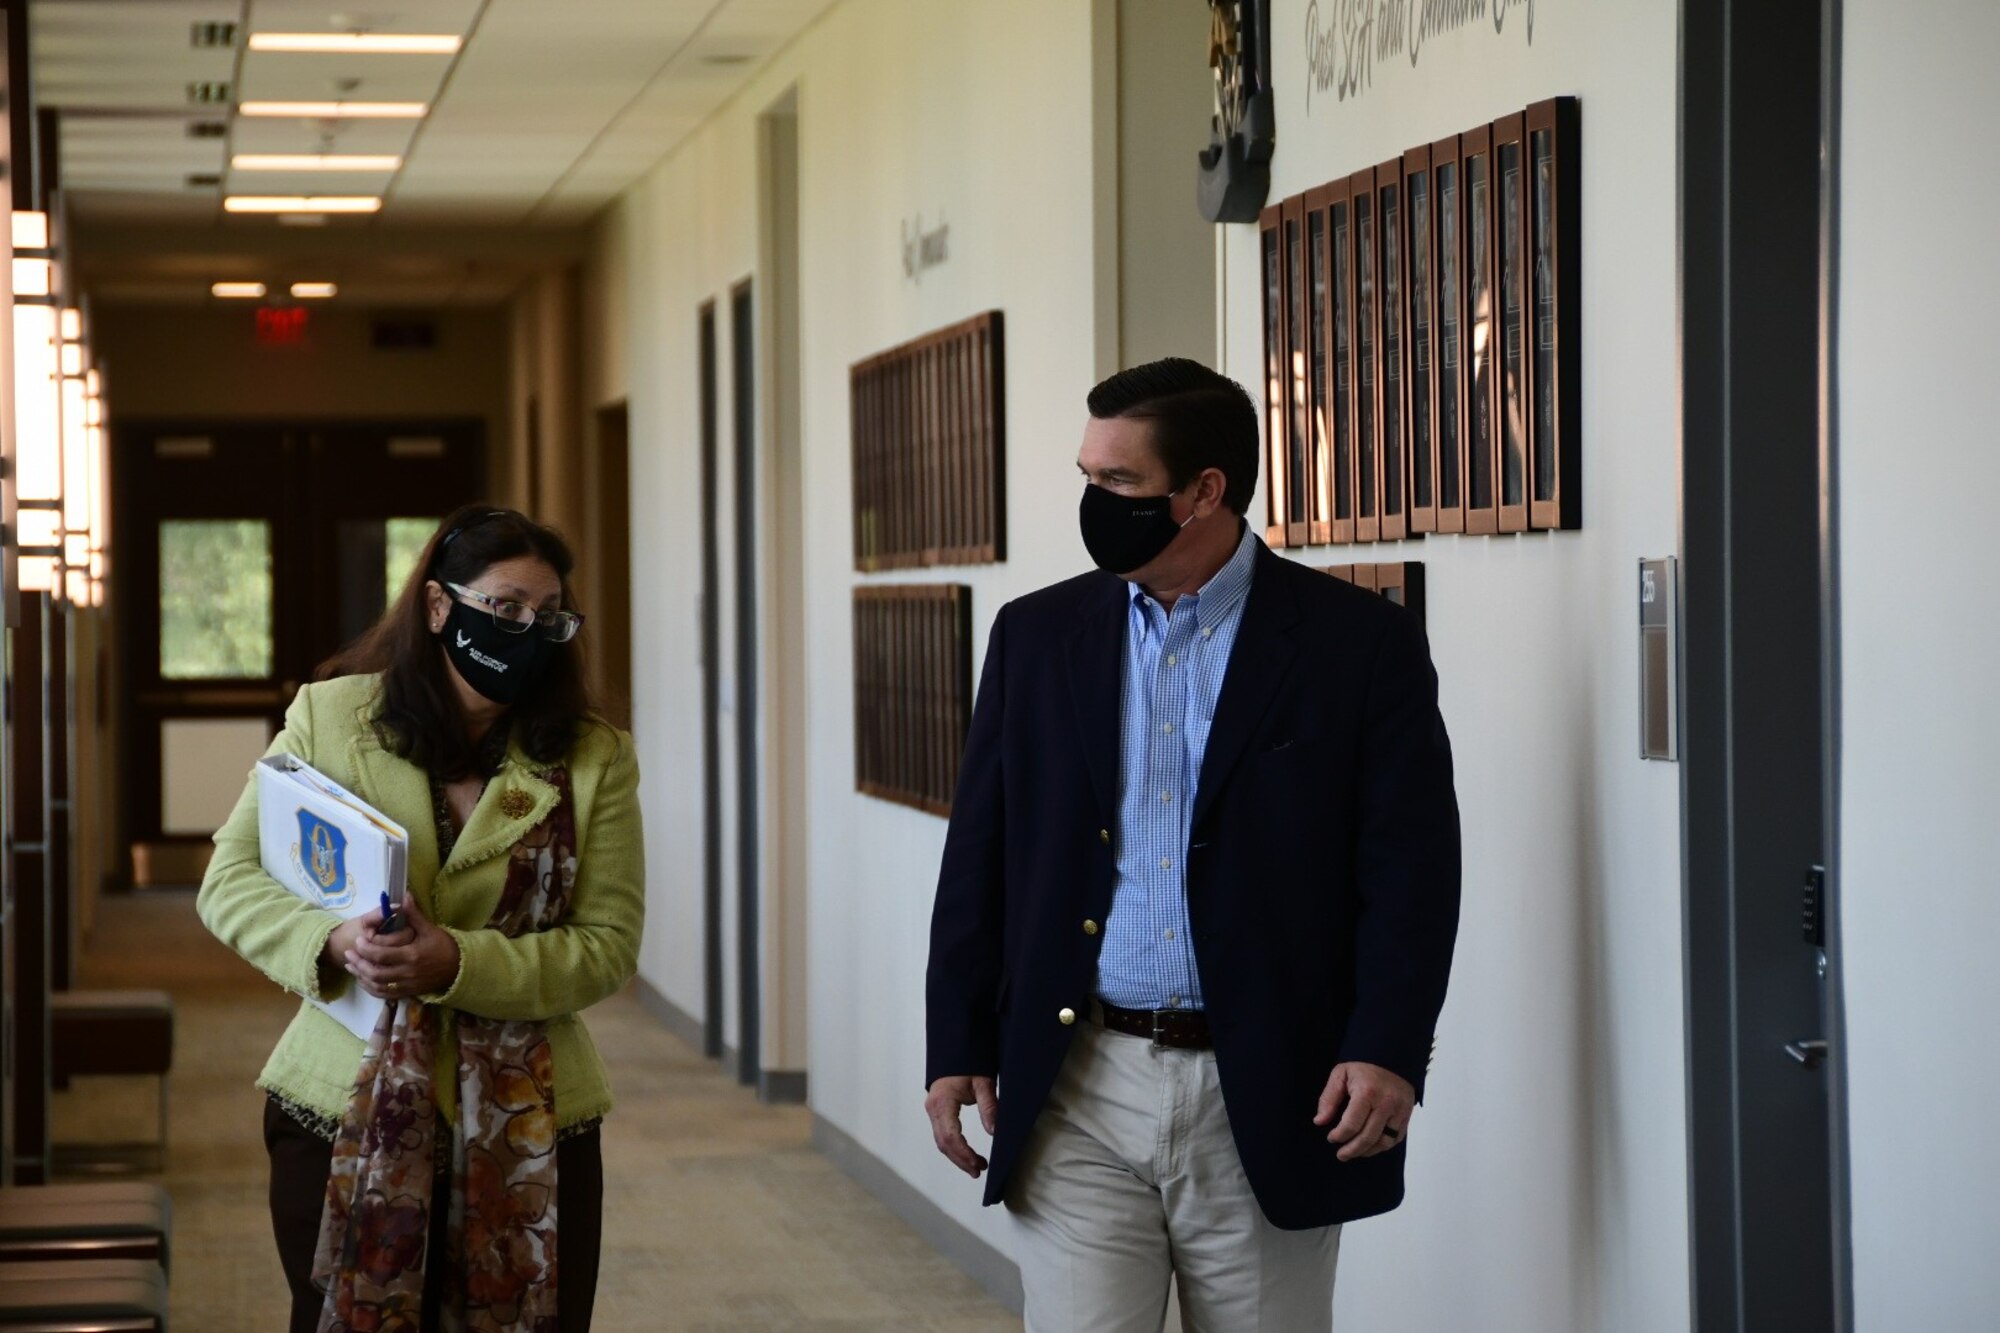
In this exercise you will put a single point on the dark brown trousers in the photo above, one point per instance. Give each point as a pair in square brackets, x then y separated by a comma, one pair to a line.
[301, 1162]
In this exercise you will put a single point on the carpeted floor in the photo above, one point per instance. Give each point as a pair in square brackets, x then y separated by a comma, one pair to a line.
[718, 1214]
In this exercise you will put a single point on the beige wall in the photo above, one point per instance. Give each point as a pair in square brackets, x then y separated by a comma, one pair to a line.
[1917, 473]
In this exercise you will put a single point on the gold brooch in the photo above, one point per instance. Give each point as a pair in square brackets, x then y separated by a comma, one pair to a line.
[515, 803]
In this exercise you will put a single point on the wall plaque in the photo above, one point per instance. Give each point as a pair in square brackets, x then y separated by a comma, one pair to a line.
[1554, 437]
[1511, 251]
[1482, 513]
[928, 421]
[1420, 209]
[912, 691]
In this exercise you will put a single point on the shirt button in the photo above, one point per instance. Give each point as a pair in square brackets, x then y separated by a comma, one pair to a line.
[1090, 927]
[1170, 933]
[1166, 796]
[1172, 660]
[1166, 863]
[1207, 630]
[1173, 1001]
[1168, 728]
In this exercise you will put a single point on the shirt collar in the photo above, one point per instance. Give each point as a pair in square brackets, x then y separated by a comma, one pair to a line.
[1222, 594]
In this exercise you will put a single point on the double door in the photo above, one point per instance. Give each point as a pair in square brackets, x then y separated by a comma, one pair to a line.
[248, 554]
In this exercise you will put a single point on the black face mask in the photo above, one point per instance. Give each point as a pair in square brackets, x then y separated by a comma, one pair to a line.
[500, 666]
[1125, 533]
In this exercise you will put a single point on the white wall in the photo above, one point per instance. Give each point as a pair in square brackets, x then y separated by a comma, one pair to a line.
[1548, 1185]
[1548, 1170]
[1918, 644]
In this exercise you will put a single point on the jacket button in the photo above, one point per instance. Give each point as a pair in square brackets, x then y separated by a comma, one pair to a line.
[1068, 1017]
[1090, 927]
[1104, 836]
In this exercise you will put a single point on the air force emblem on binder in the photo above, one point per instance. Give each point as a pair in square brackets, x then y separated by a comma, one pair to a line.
[323, 857]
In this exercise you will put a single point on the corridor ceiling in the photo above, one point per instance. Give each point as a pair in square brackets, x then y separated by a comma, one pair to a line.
[550, 109]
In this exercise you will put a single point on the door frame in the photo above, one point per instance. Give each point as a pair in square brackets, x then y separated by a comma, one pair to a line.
[1745, 791]
[301, 555]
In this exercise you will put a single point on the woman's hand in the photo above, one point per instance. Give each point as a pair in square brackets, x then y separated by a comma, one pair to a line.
[419, 960]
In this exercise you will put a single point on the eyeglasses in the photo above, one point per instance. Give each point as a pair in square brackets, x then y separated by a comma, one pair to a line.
[519, 617]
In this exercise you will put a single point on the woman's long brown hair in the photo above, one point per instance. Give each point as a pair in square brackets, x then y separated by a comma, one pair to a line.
[418, 717]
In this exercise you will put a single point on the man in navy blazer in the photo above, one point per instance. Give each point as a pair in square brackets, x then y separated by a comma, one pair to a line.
[1198, 897]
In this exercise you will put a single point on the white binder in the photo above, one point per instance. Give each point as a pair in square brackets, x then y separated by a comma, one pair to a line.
[334, 850]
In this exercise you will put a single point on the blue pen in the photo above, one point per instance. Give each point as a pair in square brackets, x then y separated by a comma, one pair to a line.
[392, 921]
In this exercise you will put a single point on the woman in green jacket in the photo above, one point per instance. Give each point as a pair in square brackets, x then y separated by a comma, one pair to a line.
[420, 1180]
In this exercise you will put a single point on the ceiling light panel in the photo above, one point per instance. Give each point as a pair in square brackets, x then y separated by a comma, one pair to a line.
[357, 43]
[318, 203]
[333, 110]
[316, 162]
[314, 291]
[237, 291]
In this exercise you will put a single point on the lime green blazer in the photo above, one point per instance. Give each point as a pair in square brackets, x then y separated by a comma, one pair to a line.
[550, 975]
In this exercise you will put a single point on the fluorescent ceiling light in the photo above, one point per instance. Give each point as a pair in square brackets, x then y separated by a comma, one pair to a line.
[302, 203]
[334, 110]
[315, 162]
[314, 291]
[237, 290]
[359, 43]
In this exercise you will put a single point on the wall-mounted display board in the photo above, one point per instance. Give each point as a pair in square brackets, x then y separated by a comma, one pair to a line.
[1421, 337]
[929, 450]
[912, 691]
[1402, 583]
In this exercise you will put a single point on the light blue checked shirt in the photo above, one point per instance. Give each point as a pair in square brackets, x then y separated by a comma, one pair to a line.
[1174, 663]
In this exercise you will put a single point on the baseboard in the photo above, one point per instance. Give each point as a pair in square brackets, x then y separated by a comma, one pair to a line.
[994, 1271]
[674, 1018]
[783, 1086]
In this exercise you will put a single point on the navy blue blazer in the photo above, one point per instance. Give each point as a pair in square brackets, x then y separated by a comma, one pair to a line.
[1322, 871]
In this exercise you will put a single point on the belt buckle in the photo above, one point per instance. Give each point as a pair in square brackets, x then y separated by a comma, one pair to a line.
[1159, 1029]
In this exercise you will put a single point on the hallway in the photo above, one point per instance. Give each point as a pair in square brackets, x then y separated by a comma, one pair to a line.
[718, 1213]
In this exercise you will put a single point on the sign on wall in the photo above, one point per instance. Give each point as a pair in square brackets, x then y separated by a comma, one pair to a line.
[1349, 41]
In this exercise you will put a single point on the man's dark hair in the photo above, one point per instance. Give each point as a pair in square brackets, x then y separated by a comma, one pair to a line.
[1200, 420]
[418, 717]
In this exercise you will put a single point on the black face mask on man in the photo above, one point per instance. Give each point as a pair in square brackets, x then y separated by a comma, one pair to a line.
[1125, 533]
[500, 666]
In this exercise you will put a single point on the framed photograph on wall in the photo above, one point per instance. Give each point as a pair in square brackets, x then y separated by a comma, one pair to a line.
[1276, 447]
[1392, 482]
[1481, 334]
[1367, 334]
[1297, 373]
[1420, 210]
[1448, 458]
[1510, 220]
[1555, 209]
[1319, 370]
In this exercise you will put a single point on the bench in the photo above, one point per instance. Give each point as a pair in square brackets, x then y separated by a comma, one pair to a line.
[108, 1220]
[94, 1032]
[84, 1296]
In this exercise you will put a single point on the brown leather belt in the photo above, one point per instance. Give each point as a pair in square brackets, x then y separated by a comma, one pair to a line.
[1186, 1029]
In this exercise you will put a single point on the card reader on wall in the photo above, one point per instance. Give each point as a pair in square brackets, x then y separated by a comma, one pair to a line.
[1659, 628]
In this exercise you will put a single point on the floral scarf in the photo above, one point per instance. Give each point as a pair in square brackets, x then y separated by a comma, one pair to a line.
[501, 1256]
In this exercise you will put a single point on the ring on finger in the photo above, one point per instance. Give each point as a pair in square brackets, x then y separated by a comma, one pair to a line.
[1391, 1133]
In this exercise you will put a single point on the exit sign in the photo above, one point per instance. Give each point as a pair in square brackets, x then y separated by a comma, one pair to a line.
[281, 326]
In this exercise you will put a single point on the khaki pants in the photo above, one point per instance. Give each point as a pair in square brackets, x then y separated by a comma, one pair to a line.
[1130, 1182]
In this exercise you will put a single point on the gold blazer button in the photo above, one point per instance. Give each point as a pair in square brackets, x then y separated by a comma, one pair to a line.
[1068, 1017]
[1090, 927]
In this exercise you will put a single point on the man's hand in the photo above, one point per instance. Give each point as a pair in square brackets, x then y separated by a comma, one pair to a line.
[1379, 1104]
[947, 1097]
[422, 959]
